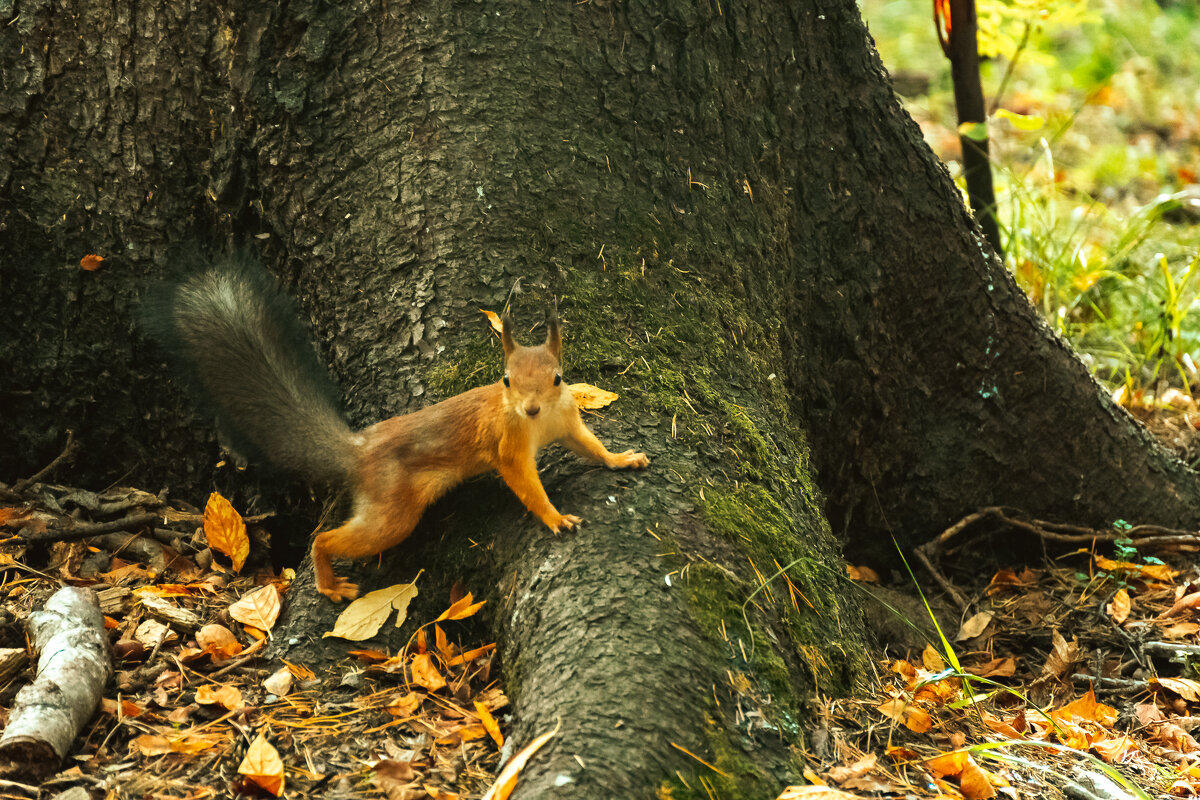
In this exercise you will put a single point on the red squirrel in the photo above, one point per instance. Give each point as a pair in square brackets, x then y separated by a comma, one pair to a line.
[247, 347]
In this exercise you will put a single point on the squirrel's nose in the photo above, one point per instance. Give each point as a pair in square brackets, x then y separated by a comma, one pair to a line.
[532, 409]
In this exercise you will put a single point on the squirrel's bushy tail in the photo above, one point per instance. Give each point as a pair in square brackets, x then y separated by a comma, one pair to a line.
[255, 365]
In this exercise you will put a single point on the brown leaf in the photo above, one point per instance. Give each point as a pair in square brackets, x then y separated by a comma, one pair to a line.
[1186, 688]
[1187, 603]
[226, 530]
[1062, 658]
[996, 668]
[974, 626]
[855, 770]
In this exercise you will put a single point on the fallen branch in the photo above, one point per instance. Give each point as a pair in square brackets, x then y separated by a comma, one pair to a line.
[48, 714]
[1142, 536]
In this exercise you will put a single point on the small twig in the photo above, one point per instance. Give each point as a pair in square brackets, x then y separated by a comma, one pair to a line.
[23, 484]
[926, 554]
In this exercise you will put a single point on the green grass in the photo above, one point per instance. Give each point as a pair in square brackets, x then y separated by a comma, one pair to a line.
[1092, 231]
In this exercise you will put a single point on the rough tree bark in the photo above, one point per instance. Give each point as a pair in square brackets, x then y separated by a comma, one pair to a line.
[744, 235]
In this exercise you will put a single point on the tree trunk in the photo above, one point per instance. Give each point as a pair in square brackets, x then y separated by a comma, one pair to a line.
[745, 238]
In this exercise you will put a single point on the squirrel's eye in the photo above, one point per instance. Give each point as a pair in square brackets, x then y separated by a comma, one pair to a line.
[506, 380]
[557, 379]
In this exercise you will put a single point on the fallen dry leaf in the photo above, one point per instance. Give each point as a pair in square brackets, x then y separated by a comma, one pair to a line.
[262, 766]
[862, 574]
[1155, 572]
[259, 608]
[855, 770]
[974, 626]
[363, 618]
[226, 530]
[506, 781]
[91, 262]
[815, 793]
[493, 320]
[425, 674]
[1119, 607]
[1186, 688]
[490, 724]
[590, 397]
[227, 696]
[461, 609]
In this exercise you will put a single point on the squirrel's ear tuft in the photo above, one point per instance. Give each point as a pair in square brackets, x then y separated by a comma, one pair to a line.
[506, 337]
[553, 336]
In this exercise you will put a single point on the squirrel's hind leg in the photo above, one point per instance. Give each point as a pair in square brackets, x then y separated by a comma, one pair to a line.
[371, 530]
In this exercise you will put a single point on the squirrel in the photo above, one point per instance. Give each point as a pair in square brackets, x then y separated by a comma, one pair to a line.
[243, 338]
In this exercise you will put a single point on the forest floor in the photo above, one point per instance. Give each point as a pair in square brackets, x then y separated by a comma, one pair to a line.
[1070, 673]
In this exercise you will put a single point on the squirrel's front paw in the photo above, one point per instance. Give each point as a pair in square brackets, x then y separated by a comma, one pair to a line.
[342, 589]
[564, 521]
[628, 459]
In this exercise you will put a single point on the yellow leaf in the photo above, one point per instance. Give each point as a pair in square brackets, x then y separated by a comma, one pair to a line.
[363, 618]
[590, 397]
[259, 608]
[225, 530]
[506, 781]
[1022, 122]
[489, 723]
[262, 766]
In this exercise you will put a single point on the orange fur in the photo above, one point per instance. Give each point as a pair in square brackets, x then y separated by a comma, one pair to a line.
[403, 464]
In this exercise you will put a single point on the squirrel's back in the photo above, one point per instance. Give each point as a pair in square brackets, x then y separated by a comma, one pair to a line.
[255, 365]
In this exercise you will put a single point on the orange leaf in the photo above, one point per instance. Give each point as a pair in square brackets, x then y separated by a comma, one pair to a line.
[91, 262]
[226, 696]
[948, 764]
[405, 705]
[470, 655]
[493, 320]
[489, 722]
[225, 530]
[425, 674]
[974, 782]
[259, 608]
[1086, 708]
[262, 766]
[443, 646]
[461, 609]
[1158, 572]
